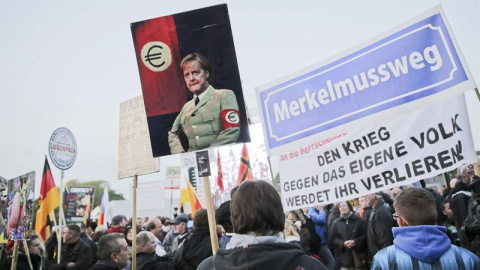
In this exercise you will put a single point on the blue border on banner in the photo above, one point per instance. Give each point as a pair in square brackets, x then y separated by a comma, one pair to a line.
[395, 91]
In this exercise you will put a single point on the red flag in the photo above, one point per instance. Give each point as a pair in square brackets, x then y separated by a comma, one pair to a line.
[245, 172]
[220, 174]
[49, 200]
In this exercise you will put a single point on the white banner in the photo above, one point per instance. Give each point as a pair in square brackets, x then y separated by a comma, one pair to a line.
[390, 153]
[151, 196]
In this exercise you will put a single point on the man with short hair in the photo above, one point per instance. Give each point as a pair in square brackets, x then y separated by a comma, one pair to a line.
[181, 230]
[155, 226]
[88, 241]
[419, 243]
[113, 252]
[75, 254]
[118, 224]
[380, 224]
[146, 258]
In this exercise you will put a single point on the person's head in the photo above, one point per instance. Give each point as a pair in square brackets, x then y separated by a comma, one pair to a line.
[467, 173]
[373, 199]
[293, 216]
[362, 201]
[180, 224]
[197, 71]
[113, 248]
[395, 192]
[200, 220]
[146, 242]
[154, 226]
[220, 230]
[35, 245]
[119, 221]
[71, 234]
[475, 185]
[140, 221]
[415, 206]
[257, 208]
[91, 227]
[128, 234]
[290, 229]
[453, 182]
[345, 208]
[446, 209]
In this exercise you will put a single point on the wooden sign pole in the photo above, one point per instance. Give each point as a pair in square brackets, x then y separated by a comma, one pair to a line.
[134, 223]
[211, 214]
[27, 252]
[15, 256]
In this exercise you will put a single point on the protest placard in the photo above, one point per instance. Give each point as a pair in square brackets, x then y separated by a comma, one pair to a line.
[20, 193]
[79, 204]
[387, 154]
[411, 66]
[134, 151]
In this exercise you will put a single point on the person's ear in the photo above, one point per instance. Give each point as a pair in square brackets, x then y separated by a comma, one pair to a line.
[402, 222]
[113, 257]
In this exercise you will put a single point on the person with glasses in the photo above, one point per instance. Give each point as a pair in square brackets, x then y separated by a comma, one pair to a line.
[418, 242]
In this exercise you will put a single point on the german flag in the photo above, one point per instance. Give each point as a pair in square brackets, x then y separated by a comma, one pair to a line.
[245, 172]
[49, 200]
[161, 44]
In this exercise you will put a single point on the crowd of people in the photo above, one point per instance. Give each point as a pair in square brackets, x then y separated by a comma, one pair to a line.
[402, 228]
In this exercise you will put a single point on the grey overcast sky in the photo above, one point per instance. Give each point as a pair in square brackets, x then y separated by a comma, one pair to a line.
[70, 63]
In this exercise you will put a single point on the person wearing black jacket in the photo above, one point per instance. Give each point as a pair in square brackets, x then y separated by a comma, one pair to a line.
[75, 253]
[113, 252]
[146, 257]
[471, 227]
[197, 247]
[257, 219]
[349, 232]
[380, 224]
[459, 198]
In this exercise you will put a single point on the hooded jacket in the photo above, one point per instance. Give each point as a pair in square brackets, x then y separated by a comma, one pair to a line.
[258, 253]
[424, 247]
[319, 218]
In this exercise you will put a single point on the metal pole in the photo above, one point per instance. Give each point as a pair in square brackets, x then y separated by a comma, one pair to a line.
[60, 220]
[134, 223]
[211, 215]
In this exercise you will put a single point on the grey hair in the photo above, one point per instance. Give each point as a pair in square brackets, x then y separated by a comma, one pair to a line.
[108, 244]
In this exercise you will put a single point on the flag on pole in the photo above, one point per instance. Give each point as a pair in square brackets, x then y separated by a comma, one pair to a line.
[49, 200]
[103, 209]
[245, 172]
[220, 174]
[88, 209]
[188, 195]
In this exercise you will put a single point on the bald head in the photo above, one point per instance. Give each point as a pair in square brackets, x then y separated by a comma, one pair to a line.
[453, 182]
[145, 242]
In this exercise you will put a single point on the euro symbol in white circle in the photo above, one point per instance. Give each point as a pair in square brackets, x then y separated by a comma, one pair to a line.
[232, 117]
[156, 56]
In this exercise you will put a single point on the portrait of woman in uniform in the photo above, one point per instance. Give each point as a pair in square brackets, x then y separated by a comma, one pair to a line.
[190, 81]
[211, 118]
